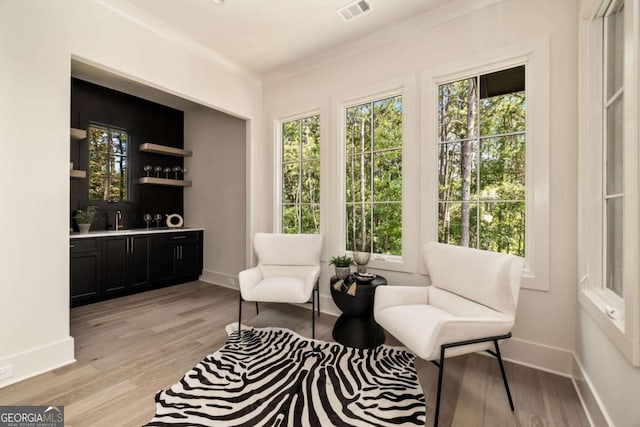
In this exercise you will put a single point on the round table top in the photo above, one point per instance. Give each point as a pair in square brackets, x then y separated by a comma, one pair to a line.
[377, 281]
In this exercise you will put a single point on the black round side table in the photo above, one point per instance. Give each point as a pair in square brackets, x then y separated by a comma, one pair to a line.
[356, 326]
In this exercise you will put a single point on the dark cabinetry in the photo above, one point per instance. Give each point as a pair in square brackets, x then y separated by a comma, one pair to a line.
[85, 269]
[126, 262]
[105, 267]
[176, 256]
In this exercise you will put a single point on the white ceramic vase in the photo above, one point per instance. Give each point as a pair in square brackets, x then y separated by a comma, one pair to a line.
[84, 228]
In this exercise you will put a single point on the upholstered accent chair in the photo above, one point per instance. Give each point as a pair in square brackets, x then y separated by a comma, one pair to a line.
[470, 306]
[288, 271]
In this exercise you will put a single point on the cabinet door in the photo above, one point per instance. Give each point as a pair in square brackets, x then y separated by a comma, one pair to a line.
[84, 272]
[138, 264]
[163, 263]
[115, 264]
[188, 259]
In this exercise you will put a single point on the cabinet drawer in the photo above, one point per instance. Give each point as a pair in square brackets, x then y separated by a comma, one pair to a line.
[189, 236]
[83, 245]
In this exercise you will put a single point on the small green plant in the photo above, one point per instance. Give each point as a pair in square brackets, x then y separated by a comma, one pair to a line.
[86, 216]
[341, 261]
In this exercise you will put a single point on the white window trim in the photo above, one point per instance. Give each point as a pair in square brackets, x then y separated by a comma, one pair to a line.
[534, 55]
[277, 185]
[592, 295]
[405, 86]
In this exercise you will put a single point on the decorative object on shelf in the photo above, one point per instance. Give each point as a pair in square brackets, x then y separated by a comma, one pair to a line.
[361, 259]
[175, 221]
[157, 170]
[176, 170]
[84, 218]
[147, 219]
[343, 264]
[147, 169]
[184, 172]
[167, 171]
[157, 218]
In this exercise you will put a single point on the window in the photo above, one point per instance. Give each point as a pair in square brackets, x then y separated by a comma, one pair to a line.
[300, 166]
[608, 244]
[108, 164]
[373, 142]
[481, 161]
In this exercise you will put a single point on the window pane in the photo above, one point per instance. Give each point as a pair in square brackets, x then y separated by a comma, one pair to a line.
[614, 245]
[615, 51]
[108, 175]
[614, 147]
[457, 223]
[311, 181]
[503, 114]
[457, 115]
[290, 183]
[290, 219]
[387, 176]
[291, 141]
[454, 185]
[387, 123]
[387, 228]
[502, 168]
[118, 178]
[310, 218]
[358, 177]
[358, 128]
[502, 227]
[358, 225]
[311, 138]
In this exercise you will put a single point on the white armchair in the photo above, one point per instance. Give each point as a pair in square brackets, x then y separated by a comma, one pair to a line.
[288, 270]
[470, 305]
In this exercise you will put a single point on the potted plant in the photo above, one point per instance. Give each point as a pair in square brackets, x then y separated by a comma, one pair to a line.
[343, 264]
[84, 218]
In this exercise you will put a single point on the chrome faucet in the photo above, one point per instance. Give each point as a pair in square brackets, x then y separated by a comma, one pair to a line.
[118, 220]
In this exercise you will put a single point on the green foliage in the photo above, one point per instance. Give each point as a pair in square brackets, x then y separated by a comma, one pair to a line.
[341, 261]
[108, 164]
[374, 176]
[86, 216]
[481, 168]
[301, 175]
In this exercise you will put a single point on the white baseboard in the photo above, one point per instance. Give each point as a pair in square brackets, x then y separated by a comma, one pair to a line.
[39, 360]
[221, 279]
[539, 356]
[591, 402]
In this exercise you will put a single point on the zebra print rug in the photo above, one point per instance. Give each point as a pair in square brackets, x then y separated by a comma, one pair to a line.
[274, 377]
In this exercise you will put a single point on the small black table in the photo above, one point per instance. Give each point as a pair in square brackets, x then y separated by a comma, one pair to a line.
[356, 326]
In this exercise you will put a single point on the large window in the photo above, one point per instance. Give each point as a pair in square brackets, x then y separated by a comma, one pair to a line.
[108, 164]
[300, 166]
[481, 161]
[373, 139]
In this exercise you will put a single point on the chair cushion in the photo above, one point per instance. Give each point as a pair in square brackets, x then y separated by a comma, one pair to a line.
[481, 276]
[288, 249]
[424, 328]
[278, 289]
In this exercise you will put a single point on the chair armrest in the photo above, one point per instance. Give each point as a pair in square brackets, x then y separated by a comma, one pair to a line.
[247, 279]
[389, 296]
[310, 280]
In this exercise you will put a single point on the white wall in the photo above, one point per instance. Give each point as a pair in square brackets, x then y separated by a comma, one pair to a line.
[217, 199]
[37, 41]
[544, 329]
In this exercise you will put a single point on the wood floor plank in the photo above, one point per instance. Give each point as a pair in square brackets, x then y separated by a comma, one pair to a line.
[127, 349]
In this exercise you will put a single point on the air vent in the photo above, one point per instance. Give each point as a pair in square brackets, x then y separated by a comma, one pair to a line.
[354, 10]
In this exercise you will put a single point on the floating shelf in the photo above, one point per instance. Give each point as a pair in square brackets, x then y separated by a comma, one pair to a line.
[78, 134]
[74, 173]
[163, 149]
[163, 181]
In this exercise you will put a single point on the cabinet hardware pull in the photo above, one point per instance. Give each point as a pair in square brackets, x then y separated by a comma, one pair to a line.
[131, 245]
[179, 237]
[72, 246]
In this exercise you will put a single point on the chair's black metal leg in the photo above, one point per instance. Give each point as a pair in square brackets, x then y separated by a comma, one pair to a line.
[257, 311]
[313, 315]
[318, 298]
[239, 312]
[504, 376]
[440, 372]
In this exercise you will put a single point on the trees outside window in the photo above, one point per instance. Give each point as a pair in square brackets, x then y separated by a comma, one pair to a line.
[481, 161]
[374, 176]
[300, 166]
[108, 164]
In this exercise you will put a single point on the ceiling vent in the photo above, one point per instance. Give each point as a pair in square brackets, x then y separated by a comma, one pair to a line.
[354, 10]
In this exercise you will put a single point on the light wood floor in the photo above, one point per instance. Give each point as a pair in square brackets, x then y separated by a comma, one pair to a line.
[129, 348]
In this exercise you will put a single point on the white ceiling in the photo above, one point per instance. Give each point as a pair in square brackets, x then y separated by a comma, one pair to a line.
[266, 35]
